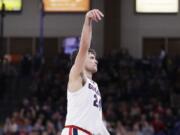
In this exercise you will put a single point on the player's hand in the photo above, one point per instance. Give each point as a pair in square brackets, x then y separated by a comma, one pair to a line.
[95, 15]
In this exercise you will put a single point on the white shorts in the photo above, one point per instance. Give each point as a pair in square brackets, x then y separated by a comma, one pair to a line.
[74, 130]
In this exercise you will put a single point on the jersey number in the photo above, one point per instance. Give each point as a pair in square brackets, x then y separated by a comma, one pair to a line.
[97, 103]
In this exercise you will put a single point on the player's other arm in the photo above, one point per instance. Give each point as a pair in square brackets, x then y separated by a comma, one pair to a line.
[85, 41]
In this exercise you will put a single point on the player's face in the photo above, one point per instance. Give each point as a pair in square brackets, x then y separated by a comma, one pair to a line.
[91, 63]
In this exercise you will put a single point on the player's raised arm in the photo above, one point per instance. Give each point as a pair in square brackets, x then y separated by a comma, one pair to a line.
[86, 35]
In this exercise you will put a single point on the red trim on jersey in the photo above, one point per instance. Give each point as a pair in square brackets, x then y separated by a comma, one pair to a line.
[70, 131]
[79, 128]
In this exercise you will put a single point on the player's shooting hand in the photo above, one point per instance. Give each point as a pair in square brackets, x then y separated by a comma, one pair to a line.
[95, 15]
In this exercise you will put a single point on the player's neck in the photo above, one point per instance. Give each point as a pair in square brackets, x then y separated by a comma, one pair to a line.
[88, 75]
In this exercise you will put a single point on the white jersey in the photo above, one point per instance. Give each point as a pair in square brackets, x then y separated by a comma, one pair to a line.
[84, 109]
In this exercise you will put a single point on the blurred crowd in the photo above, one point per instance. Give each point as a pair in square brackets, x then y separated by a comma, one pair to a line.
[136, 95]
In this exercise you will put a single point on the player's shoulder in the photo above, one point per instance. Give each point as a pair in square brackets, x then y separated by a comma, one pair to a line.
[93, 82]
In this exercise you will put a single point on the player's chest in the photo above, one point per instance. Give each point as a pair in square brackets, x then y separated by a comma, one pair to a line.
[95, 95]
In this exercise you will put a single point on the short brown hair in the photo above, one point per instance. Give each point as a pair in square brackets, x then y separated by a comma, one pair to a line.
[74, 54]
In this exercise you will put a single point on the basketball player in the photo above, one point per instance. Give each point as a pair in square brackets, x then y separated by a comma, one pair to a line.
[84, 110]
